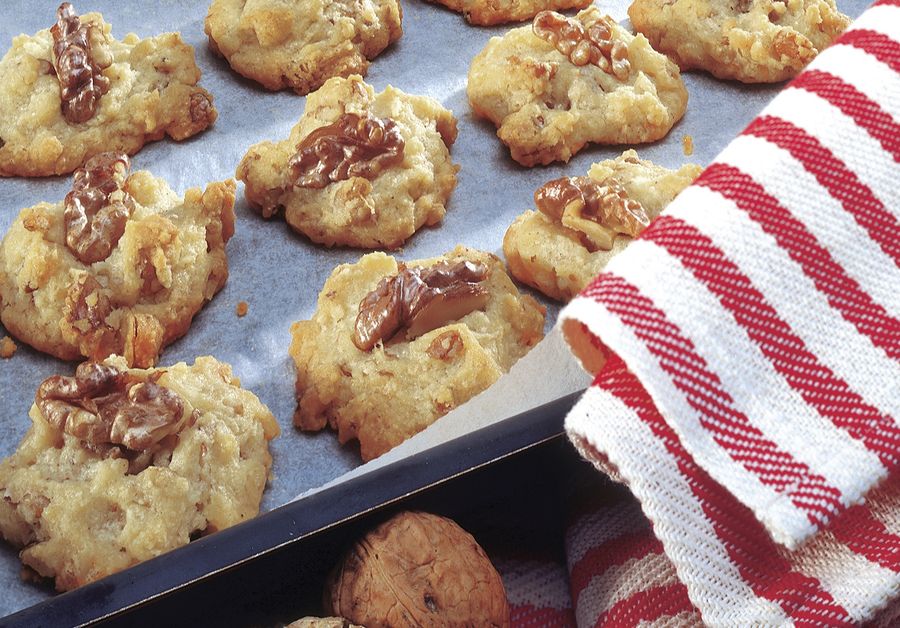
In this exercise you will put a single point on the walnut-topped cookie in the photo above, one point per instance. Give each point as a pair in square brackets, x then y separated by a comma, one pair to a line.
[582, 222]
[359, 168]
[301, 44]
[490, 12]
[72, 91]
[121, 465]
[561, 82]
[754, 41]
[392, 346]
[120, 266]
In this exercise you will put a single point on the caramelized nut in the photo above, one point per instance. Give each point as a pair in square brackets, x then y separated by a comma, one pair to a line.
[102, 405]
[354, 146]
[81, 82]
[581, 45]
[597, 210]
[97, 208]
[420, 299]
[87, 306]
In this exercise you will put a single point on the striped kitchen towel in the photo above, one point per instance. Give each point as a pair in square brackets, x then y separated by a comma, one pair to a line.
[749, 394]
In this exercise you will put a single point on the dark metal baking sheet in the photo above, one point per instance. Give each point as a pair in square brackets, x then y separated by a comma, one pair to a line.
[185, 587]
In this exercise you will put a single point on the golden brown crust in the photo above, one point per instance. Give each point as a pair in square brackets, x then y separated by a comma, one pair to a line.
[754, 41]
[383, 396]
[546, 108]
[552, 258]
[153, 92]
[379, 213]
[492, 12]
[168, 263]
[301, 44]
[79, 515]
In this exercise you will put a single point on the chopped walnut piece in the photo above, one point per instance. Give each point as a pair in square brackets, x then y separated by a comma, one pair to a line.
[102, 405]
[597, 210]
[420, 299]
[81, 82]
[242, 308]
[447, 347]
[583, 45]
[7, 347]
[354, 146]
[87, 307]
[98, 208]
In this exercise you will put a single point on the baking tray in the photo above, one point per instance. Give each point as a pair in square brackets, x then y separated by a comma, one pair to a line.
[272, 568]
[280, 273]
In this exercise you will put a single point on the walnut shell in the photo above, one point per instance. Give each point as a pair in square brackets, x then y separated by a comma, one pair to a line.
[417, 569]
[321, 622]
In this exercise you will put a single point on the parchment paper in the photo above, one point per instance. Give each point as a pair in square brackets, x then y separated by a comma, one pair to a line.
[280, 273]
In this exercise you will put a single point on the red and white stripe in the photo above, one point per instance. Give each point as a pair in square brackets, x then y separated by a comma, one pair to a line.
[752, 398]
[537, 590]
[618, 573]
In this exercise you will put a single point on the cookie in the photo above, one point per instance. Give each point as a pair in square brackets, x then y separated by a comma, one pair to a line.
[122, 465]
[70, 92]
[301, 44]
[582, 222]
[560, 83]
[392, 346]
[754, 41]
[359, 168]
[119, 267]
[490, 12]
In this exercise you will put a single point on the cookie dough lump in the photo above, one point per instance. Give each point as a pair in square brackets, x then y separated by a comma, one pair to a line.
[583, 222]
[121, 465]
[72, 91]
[490, 12]
[81, 82]
[753, 41]
[563, 82]
[119, 267]
[301, 44]
[359, 169]
[392, 346]
[417, 569]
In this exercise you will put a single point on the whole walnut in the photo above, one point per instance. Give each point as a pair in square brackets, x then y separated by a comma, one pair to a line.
[417, 569]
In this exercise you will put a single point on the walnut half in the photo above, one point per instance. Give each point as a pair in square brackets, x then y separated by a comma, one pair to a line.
[417, 569]
[584, 44]
[97, 207]
[354, 146]
[104, 406]
[596, 210]
[420, 299]
[81, 82]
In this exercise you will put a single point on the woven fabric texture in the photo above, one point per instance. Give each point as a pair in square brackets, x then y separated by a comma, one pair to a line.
[750, 396]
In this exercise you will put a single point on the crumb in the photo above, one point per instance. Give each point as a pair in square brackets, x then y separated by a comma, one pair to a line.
[687, 144]
[7, 347]
[241, 309]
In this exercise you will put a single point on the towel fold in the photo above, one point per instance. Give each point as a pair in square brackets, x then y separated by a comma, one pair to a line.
[749, 394]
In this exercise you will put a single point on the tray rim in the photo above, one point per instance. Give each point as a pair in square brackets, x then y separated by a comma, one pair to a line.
[127, 591]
